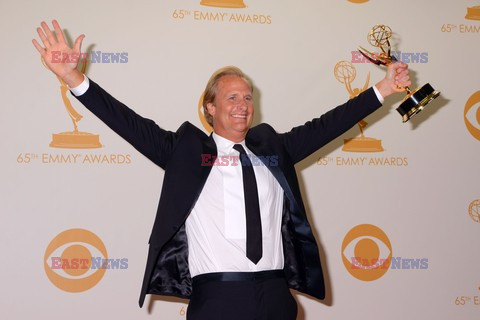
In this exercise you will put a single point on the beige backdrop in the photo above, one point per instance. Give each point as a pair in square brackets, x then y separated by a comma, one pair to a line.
[414, 201]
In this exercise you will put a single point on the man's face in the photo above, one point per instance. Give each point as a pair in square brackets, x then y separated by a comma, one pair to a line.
[232, 110]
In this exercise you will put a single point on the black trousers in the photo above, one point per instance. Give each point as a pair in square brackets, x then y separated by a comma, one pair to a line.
[260, 298]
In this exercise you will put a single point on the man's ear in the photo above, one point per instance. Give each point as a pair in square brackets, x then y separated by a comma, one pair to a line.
[211, 109]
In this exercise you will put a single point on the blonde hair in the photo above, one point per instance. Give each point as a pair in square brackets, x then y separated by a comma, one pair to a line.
[211, 89]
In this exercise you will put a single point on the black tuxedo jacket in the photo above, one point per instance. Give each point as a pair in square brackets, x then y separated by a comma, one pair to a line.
[179, 154]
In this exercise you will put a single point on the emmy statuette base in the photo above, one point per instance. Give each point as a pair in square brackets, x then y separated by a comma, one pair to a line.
[473, 13]
[75, 140]
[223, 4]
[416, 101]
[363, 144]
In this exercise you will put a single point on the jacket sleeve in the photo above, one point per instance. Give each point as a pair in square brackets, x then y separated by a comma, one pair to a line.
[143, 134]
[304, 140]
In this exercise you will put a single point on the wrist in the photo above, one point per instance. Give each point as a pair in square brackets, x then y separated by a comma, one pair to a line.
[73, 78]
[384, 88]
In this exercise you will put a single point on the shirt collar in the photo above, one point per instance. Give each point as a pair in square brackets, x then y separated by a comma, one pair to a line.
[224, 145]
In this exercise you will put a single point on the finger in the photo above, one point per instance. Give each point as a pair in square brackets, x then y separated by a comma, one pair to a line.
[404, 81]
[405, 78]
[77, 46]
[51, 38]
[58, 31]
[399, 66]
[402, 74]
[403, 68]
[403, 85]
[393, 70]
[43, 38]
[38, 46]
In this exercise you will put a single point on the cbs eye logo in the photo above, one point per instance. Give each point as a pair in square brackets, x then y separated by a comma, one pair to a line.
[366, 252]
[471, 115]
[68, 260]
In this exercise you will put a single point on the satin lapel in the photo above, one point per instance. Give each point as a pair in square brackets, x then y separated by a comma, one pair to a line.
[172, 214]
[209, 147]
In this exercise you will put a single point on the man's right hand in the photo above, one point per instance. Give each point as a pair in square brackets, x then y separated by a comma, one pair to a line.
[56, 52]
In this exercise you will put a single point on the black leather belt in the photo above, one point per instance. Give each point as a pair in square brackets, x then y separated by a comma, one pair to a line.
[237, 276]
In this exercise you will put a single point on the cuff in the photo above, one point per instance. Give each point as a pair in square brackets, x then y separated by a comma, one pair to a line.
[379, 95]
[81, 88]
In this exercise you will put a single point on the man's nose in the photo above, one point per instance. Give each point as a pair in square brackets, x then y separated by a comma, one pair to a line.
[243, 104]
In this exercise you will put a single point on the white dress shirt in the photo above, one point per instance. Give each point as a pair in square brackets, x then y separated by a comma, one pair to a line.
[216, 227]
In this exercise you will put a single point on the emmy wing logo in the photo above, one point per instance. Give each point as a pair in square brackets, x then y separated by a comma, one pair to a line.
[474, 210]
[223, 3]
[471, 115]
[358, 1]
[73, 139]
[345, 73]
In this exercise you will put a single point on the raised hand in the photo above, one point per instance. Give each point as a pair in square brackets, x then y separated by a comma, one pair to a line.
[396, 79]
[60, 58]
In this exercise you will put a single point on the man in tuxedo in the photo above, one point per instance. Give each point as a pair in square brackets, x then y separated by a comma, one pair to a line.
[231, 231]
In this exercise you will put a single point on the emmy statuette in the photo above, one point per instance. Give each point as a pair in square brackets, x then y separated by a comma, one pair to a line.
[345, 73]
[73, 139]
[416, 100]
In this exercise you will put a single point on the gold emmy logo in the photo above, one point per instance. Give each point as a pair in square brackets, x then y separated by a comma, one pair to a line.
[68, 260]
[471, 115]
[73, 139]
[201, 116]
[474, 210]
[223, 3]
[473, 13]
[358, 1]
[345, 73]
[362, 250]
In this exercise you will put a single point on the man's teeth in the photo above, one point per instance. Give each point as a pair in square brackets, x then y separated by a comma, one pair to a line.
[239, 116]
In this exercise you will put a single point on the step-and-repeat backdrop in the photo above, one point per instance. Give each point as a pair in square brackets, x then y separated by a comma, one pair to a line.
[395, 207]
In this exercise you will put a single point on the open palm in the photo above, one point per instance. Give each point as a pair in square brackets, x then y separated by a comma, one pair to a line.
[60, 58]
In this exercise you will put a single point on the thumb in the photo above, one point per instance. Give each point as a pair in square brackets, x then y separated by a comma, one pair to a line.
[77, 46]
